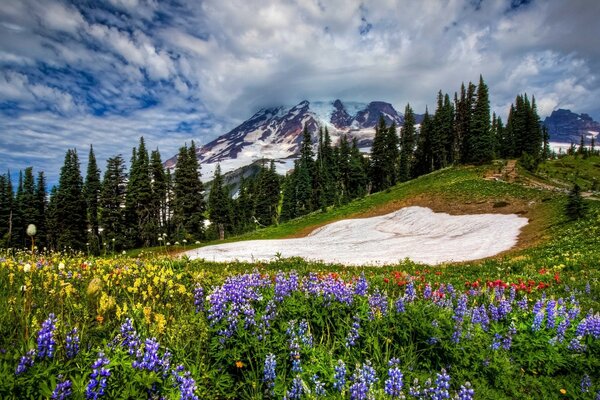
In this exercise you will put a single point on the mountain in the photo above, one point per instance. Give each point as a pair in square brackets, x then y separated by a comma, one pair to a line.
[276, 133]
[565, 126]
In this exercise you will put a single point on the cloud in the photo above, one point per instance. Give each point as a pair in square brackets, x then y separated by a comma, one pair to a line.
[72, 74]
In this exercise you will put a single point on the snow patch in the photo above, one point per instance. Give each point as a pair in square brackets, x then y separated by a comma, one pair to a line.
[416, 233]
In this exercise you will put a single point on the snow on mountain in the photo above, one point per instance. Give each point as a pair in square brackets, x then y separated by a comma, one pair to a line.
[276, 133]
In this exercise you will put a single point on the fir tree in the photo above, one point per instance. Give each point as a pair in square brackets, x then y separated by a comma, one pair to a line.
[159, 191]
[267, 196]
[188, 195]
[325, 193]
[357, 175]
[70, 205]
[305, 177]
[575, 207]
[140, 200]
[111, 202]
[91, 190]
[289, 206]
[392, 155]
[219, 206]
[407, 145]
[482, 144]
[424, 152]
[41, 205]
[17, 220]
[52, 220]
[6, 210]
[380, 164]
[243, 211]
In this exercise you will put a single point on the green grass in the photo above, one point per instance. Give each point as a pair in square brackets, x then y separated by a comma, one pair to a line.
[567, 170]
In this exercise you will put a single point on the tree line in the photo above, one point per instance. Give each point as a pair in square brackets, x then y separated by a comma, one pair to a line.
[148, 205]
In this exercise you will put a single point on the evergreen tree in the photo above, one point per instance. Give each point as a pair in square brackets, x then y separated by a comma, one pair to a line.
[28, 205]
[482, 144]
[6, 210]
[343, 167]
[424, 151]
[18, 224]
[41, 204]
[91, 190]
[52, 220]
[244, 206]
[70, 205]
[219, 206]
[407, 145]
[464, 121]
[392, 155]
[440, 134]
[325, 193]
[159, 191]
[267, 196]
[111, 202]
[575, 207]
[289, 206]
[357, 174]
[140, 200]
[305, 177]
[188, 195]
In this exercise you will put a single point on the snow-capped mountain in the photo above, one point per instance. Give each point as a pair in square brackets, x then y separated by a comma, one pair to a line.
[565, 126]
[276, 133]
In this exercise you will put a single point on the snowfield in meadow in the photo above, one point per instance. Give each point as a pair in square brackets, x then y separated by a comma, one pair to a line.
[416, 233]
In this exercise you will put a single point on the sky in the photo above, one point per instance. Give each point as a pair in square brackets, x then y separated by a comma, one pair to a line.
[107, 72]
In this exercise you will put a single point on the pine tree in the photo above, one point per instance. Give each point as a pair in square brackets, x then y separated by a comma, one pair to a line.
[41, 205]
[267, 196]
[439, 137]
[407, 145]
[305, 176]
[482, 144]
[424, 152]
[91, 191]
[140, 200]
[575, 207]
[159, 191]
[188, 195]
[289, 206]
[18, 224]
[219, 206]
[392, 155]
[357, 175]
[6, 209]
[70, 205]
[52, 220]
[379, 165]
[111, 202]
[325, 193]
[28, 200]
[244, 206]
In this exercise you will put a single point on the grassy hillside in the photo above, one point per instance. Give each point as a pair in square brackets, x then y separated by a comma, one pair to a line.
[567, 170]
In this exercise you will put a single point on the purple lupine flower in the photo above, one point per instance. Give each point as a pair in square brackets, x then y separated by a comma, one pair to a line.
[25, 362]
[185, 383]
[378, 304]
[427, 292]
[538, 318]
[45, 338]
[494, 314]
[63, 390]
[319, 386]
[269, 374]
[586, 383]
[338, 290]
[363, 378]
[393, 384]
[415, 389]
[199, 298]
[148, 359]
[576, 346]
[296, 390]
[265, 320]
[562, 329]
[442, 385]
[480, 316]
[353, 335]
[512, 294]
[466, 392]
[504, 308]
[551, 314]
[96, 387]
[507, 341]
[249, 313]
[411, 293]
[496, 342]
[588, 289]
[399, 304]
[285, 285]
[72, 343]
[522, 304]
[129, 337]
[339, 377]
[361, 286]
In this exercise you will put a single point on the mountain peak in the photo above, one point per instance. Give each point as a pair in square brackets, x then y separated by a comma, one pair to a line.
[565, 126]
